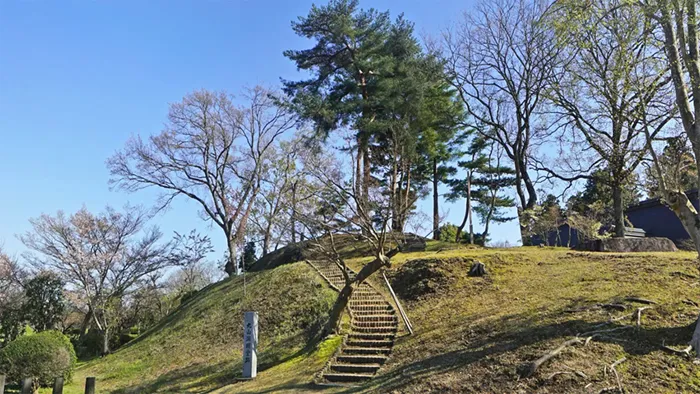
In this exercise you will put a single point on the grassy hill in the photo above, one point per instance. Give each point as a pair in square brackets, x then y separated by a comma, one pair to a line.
[198, 347]
[472, 334]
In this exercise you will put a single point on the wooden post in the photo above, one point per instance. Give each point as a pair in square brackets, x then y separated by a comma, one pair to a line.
[2, 384]
[58, 386]
[27, 386]
[90, 385]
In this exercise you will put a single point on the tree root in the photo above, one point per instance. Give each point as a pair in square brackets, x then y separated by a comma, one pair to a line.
[684, 275]
[640, 300]
[530, 369]
[685, 352]
[639, 315]
[691, 302]
[617, 376]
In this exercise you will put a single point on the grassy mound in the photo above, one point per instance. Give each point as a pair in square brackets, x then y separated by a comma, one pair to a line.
[472, 335]
[198, 348]
[476, 334]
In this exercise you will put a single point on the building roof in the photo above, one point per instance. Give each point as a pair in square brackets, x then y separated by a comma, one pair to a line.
[692, 195]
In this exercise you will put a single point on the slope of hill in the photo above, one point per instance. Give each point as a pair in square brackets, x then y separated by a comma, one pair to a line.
[198, 347]
[472, 335]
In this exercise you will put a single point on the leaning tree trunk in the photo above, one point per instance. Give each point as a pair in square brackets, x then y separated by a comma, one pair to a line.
[86, 324]
[346, 292]
[686, 212]
[468, 209]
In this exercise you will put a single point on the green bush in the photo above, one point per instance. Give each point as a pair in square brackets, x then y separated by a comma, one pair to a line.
[447, 233]
[42, 357]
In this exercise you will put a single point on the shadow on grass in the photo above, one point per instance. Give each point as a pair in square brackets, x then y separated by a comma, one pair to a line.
[635, 341]
[203, 378]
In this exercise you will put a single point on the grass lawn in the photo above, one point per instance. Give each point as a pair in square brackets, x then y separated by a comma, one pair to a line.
[473, 335]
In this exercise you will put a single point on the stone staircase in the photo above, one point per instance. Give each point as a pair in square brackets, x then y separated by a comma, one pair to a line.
[373, 329]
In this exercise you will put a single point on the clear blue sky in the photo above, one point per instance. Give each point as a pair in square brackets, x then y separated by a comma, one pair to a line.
[77, 78]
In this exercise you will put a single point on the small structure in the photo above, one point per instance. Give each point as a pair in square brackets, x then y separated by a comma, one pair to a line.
[565, 236]
[250, 345]
[658, 220]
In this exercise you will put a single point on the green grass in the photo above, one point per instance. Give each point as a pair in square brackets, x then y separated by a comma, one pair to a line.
[198, 347]
[471, 334]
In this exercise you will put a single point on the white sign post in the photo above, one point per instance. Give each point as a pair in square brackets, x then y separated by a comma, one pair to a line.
[250, 345]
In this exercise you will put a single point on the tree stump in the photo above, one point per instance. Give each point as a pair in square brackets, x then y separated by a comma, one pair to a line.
[477, 269]
[2, 383]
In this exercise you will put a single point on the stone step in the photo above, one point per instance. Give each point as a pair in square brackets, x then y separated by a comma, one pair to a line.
[361, 358]
[375, 318]
[373, 312]
[372, 336]
[347, 377]
[355, 368]
[374, 330]
[370, 324]
[366, 350]
[374, 309]
[371, 298]
[370, 343]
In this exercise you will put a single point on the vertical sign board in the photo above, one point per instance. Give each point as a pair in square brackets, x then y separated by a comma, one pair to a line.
[250, 345]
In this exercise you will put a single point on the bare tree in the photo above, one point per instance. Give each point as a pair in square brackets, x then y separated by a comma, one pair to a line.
[102, 256]
[12, 277]
[612, 72]
[271, 215]
[211, 152]
[501, 59]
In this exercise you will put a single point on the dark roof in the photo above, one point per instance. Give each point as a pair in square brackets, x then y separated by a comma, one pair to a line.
[692, 195]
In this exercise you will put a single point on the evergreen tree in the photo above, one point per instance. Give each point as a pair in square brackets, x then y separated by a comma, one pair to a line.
[44, 301]
[346, 64]
[248, 258]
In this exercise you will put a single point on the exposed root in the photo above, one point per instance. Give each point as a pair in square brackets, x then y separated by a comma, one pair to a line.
[684, 275]
[617, 307]
[640, 300]
[685, 352]
[639, 315]
[551, 376]
[691, 302]
[617, 376]
[531, 368]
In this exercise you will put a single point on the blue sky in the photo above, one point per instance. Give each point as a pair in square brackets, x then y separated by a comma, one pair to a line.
[77, 78]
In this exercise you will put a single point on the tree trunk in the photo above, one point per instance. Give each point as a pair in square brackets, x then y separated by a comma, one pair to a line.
[468, 209]
[471, 227]
[337, 312]
[367, 172]
[294, 213]
[344, 296]
[619, 214]
[395, 192]
[105, 342]
[532, 193]
[436, 201]
[231, 265]
[86, 324]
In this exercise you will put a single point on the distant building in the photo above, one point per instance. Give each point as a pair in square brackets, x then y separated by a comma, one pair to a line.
[658, 220]
[564, 236]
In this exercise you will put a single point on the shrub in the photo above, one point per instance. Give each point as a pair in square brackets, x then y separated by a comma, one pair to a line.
[447, 233]
[42, 357]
